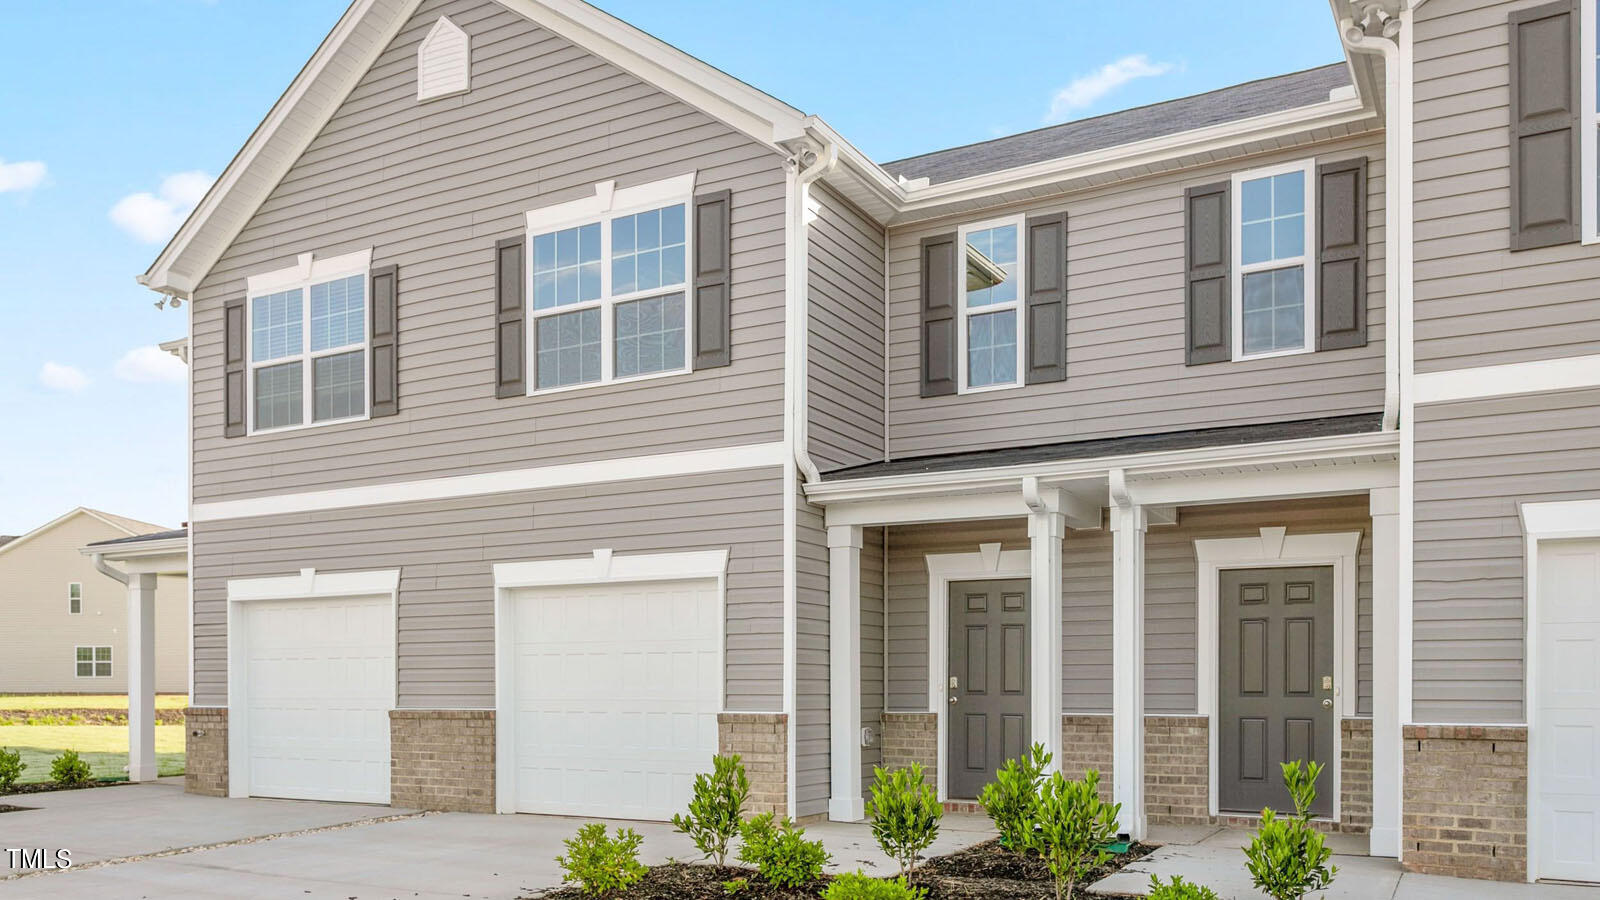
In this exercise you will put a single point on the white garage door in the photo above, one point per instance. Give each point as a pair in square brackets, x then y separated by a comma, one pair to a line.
[318, 692]
[617, 692]
[1567, 739]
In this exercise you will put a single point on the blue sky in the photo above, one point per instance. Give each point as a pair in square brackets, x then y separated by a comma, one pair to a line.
[104, 148]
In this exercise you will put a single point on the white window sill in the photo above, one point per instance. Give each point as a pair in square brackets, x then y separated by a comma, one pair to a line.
[1274, 354]
[542, 392]
[991, 388]
[304, 425]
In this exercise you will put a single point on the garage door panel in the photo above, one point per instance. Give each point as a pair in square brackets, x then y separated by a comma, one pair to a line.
[617, 690]
[1567, 713]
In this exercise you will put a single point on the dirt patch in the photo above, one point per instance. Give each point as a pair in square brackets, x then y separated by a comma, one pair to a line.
[43, 787]
[982, 872]
[79, 716]
[5, 809]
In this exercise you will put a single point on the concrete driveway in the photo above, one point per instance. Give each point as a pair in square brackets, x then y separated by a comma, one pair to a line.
[153, 840]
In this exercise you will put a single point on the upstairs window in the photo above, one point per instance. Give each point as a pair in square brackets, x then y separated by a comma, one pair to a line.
[1272, 237]
[990, 320]
[92, 662]
[308, 344]
[610, 291]
[74, 598]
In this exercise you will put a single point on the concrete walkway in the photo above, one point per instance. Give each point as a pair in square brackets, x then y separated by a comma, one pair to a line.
[1214, 857]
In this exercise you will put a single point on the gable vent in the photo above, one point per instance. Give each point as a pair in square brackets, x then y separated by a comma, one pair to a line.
[444, 62]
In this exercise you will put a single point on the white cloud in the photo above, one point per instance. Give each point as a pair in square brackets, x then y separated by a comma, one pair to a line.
[150, 364]
[1085, 90]
[21, 176]
[58, 377]
[153, 218]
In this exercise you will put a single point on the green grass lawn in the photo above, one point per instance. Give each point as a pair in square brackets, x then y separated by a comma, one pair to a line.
[85, 701]
[104, 747]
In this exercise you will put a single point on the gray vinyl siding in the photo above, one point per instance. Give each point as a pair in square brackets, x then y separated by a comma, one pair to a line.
[846, 334]
[813, 773]
[1125, 330]
[872, 647]
[431, 187]
[1477, 303]
[1170, 598]
[1476, 462]
[446, 549]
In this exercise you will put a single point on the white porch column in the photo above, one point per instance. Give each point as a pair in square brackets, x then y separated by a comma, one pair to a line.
[1128, 526]
[1384, 839]
[1045, 533]
[845, 803]
[139, 657]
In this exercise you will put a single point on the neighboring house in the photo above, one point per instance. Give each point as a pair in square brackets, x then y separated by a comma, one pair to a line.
[565, 411]
[63, 625]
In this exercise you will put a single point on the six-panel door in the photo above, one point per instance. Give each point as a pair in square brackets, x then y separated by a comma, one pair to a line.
[987, 719]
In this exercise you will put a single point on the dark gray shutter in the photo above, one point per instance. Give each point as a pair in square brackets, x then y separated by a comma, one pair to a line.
[1342, 254]
[235, 421]
[510, 344]
[939, 271]
[1545, 209]
[713, 278]
[1047, 298]
[385, 314]
[1206, 261]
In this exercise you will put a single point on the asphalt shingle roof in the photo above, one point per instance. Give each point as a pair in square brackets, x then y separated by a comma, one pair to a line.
[140, 538]
[1229, 104]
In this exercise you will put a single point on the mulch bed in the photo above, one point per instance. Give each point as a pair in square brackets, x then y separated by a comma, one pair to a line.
[5, 809]
[46, 786]
[75, 716]
[978, 872]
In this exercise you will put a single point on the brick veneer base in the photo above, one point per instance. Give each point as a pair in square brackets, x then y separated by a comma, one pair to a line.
[1465, 805]
[1177, 770]
[1355, 776]
[911, 738]
[762, 742]
[1086, 744]
[442, 759]
[205, 767]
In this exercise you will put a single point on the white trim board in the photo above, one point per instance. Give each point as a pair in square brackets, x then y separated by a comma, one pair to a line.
[1274, 548]
[989, 563]
[632, 468]
[1539, 376]
[602, 566]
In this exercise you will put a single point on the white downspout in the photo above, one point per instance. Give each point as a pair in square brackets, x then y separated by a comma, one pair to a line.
[106, 570]
[810, 166]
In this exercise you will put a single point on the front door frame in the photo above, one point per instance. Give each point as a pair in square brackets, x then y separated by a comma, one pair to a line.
[990, 563]
[1275, 548]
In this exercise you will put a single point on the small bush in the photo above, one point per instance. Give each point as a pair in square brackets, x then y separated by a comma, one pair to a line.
[780, 852]
[716, 808]
[11, 766]
[69, 769]
[1013, 797]
[859, 886]
[905, 814]
[1179, 889]
[1072, 825]
[1288, 858]
[599, 864]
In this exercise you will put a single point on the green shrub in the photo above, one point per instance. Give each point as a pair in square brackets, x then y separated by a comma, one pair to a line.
[599, 864]
[1071, 826]
[717, 807]
[69, 769]
[860, 886]
[1288, 858]
[780, 852]
[1179, 889]
[905, 814]
[11, 766]
[1013, 797]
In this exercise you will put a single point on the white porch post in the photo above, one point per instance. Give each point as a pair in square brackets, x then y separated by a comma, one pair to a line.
[139, 657]
[1128, 525]
[1384, 839]
[844, 672]
[1045, 533]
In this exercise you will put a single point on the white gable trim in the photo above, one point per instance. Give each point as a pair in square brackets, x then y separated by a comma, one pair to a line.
[51, 525]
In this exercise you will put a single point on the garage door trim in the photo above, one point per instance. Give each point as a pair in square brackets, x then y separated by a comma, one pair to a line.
[308, 585]
[1552, 521]
[600, 567]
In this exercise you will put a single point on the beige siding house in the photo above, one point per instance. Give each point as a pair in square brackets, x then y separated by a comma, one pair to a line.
[555, 389]
[63, 624]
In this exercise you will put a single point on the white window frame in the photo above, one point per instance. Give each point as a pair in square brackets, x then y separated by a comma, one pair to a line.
[1020, 221]
[70, 598]
[110, 661]
[1306, 260]
[1588, 121]
[606, 205]
[309, 271]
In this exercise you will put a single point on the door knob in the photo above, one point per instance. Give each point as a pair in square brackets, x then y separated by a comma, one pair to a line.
[1327, 703]
[953, 699]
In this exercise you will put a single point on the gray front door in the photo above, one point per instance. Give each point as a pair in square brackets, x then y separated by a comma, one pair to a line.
[988, 691]
[1275, 677]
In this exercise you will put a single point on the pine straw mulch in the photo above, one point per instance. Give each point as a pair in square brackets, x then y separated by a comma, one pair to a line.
[981, 872]
[41, 787]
